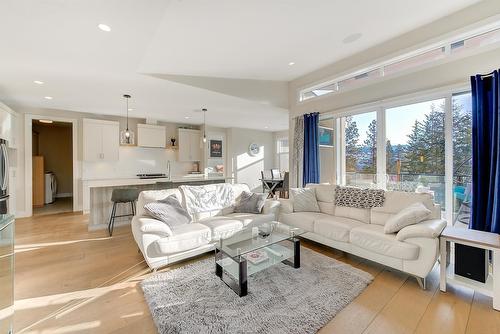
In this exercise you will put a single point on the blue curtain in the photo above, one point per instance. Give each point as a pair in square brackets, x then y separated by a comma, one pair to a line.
[485, 208]
[311, 149]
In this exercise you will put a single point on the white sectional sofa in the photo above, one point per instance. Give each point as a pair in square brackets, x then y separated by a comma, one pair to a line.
[414, 249]
[161, 245]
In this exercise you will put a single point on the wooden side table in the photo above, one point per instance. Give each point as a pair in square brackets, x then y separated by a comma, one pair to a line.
[478, 239]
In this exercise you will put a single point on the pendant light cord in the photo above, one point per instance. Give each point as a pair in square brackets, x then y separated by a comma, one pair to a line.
[127, 113]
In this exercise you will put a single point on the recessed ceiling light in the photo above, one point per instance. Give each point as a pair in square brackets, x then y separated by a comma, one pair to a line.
[352, 38]
[130, 109]
[266, 127]
[291, 63]
[186, 117]
[48, 97]
[48, 121]
[104, 27]
[38, 82]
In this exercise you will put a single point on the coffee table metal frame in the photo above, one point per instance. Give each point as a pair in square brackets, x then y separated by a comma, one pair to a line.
[240, 286]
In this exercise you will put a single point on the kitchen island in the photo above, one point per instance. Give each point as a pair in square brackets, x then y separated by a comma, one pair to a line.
[97, 194]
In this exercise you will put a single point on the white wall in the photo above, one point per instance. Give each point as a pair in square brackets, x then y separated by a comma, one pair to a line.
[133, 160]
[243, 167]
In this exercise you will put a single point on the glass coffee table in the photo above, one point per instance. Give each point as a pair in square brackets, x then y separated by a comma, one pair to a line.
[253, 249]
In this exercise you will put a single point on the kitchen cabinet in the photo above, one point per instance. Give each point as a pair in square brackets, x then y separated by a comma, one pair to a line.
[189, 145]
[38, 184]
[101, 140]
[151, 135]
[6, 124]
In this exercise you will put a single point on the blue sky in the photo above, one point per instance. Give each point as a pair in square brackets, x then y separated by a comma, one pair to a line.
[400, 120]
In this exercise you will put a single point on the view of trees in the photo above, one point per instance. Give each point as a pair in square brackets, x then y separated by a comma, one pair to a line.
[424, 151]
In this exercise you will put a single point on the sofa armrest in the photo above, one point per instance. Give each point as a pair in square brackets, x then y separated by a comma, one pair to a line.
[271, 206]
[426, 229]
[286, 205]
[146, 224]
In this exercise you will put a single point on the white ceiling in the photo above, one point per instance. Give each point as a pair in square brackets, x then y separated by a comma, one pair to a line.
[157, 51]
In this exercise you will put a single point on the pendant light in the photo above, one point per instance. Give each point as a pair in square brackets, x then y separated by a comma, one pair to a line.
[127, 136]
[204, 125]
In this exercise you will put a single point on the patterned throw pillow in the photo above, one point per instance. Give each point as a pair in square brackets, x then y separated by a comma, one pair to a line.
[169, 211]
[250, 203]
[359, 198]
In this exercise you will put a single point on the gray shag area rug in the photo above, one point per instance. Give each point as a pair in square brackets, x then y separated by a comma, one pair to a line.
[281, 299]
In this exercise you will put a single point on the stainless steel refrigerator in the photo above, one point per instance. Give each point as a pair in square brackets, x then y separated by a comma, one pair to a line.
[4, 176]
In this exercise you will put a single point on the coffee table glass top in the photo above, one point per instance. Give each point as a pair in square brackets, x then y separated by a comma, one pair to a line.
[252, 238]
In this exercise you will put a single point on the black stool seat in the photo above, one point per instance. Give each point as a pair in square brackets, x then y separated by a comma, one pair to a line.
[122, 195]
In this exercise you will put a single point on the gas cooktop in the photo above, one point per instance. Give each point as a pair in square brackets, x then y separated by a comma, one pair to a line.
[151, 176]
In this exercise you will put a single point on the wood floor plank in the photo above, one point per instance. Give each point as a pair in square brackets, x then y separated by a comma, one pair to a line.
[403, 312]
[356, 317]
[448, 313]
[482, 317]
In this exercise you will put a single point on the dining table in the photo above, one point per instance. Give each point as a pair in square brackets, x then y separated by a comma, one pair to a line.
[270, 185]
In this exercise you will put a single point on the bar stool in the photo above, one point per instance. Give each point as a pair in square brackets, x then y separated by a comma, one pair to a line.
[122, 195]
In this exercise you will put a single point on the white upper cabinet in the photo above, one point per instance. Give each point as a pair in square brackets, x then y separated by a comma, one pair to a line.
[151, 135]
[6, 125]
[101, 140]
[189, 145]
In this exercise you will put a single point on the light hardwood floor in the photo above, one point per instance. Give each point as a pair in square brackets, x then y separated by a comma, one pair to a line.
[69, 280]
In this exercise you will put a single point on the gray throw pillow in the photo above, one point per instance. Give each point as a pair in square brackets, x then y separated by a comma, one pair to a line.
[250, 203]
[304, 200]
[169, 211]
[410, 215]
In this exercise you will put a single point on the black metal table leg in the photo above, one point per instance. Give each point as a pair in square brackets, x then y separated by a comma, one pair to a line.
[218, 267]
[242, 281]
[296, 254]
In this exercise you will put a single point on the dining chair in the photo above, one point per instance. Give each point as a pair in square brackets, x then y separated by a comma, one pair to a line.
[284, 187]
[275, 173]
[266, 174]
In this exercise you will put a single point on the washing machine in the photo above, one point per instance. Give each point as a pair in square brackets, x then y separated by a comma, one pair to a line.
[50, 187]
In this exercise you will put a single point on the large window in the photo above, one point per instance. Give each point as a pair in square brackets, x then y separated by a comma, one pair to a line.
[327, 149]
[282, 149]
[462, 156]
[360, 137]
[415, 148]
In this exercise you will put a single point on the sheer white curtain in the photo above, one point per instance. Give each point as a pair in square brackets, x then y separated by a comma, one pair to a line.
[297, 152]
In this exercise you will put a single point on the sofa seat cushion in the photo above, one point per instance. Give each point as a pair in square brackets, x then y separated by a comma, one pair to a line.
[252, 218]
[372, 238]
[222, 227]
[336, 228]
[303, 220]
[184, 238]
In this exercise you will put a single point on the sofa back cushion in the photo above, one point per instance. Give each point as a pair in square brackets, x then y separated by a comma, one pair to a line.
[362, 215]
[212, 199]
[325, 195]
[395, 201]
[149, 196]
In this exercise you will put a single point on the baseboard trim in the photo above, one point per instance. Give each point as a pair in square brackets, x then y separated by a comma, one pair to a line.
[63, 195]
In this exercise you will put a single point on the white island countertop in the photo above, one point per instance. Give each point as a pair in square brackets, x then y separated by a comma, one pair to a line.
[130, 181]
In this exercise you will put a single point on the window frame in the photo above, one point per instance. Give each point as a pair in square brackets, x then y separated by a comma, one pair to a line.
[380, 107]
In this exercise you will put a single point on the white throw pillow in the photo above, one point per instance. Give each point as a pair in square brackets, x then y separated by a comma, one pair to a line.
[410, 215]
[304, 200]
